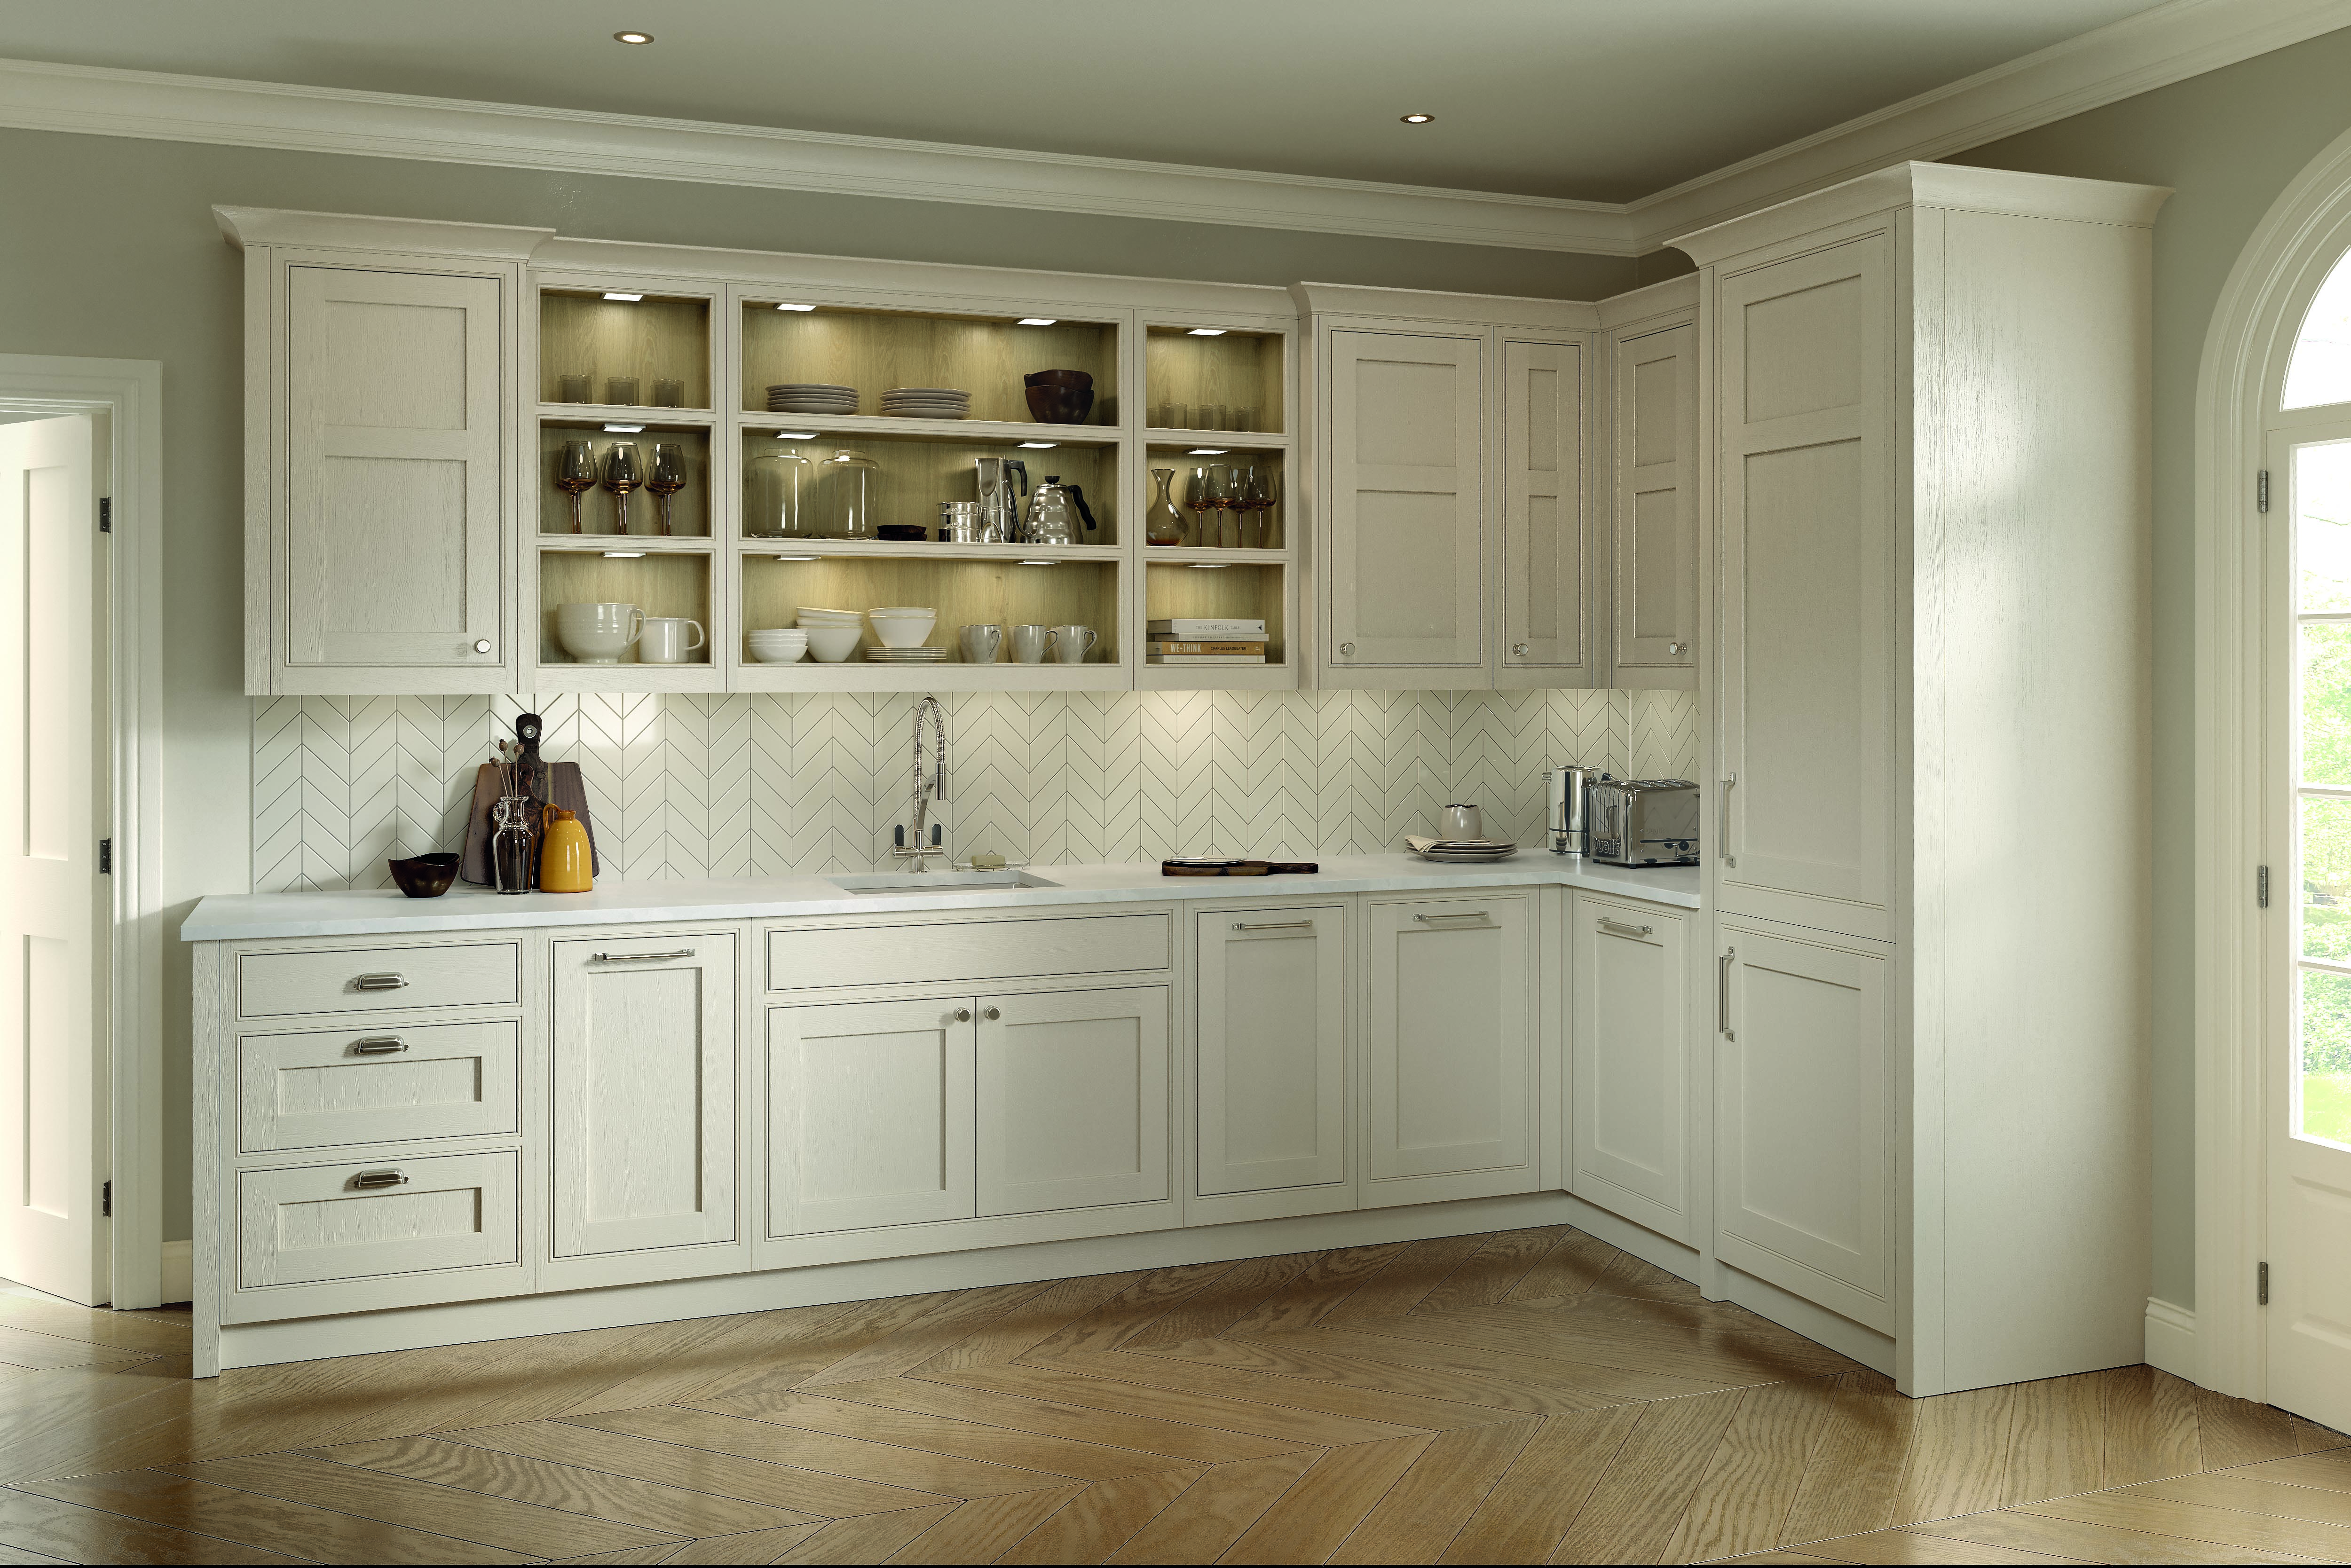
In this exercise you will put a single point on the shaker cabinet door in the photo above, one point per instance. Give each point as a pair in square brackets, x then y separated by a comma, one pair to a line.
[1073, 1099]
[1629, 1062]
[1654, 506]
[1271, 1063]
[1407, 574]
[643, 1123]
[392, 547]
[1548, 559]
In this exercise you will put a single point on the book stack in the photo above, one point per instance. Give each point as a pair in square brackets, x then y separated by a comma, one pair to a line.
[1182, 641]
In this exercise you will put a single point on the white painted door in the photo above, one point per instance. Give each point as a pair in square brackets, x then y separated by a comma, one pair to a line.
[1630, 1061]
[870, 1114]
[394, 464]
[1804, 1153]
[1271, 1049]
[643, 1065]
[1407, 501]
[1452, 1031]
[1547, 622]
[1073, 1099]
[54, 909]
[1805, 418]
[1654, 525]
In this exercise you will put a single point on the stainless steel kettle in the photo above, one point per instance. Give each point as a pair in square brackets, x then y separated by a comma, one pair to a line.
[1056, 511]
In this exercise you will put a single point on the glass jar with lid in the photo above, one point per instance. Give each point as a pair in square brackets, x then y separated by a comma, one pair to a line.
[778, 489]
[848, 489]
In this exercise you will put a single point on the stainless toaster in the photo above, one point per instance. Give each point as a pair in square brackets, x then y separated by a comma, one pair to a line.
[1644, 822]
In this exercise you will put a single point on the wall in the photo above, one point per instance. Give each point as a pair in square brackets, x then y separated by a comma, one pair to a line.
[761, 785]
[2227, 142]
[111, 251]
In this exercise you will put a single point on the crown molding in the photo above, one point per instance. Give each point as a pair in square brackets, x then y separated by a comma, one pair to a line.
[2156, 48]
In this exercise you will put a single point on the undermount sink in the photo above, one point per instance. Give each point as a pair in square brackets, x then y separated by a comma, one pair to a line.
[941, 882]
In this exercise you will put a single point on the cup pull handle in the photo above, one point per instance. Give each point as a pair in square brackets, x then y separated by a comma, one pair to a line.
[369, 1181]
[1722, 996]
[1619, 928]
[379, 1045]
[379, 983]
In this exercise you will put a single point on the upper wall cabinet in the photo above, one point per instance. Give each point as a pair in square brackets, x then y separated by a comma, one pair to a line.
[1652, 485]
[1549, 633]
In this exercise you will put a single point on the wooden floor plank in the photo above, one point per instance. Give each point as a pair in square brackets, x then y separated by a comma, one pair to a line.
[2151, 1426]
[1398, 1414]
[2250, 1494]
[1215, 1510]
[1430, 1503]
[1531, 1508]
[1638, 1505]
[886, 1463]
[2313, 1438]
[1328, 1281]
[1667, 1351]
[2029, 1530]
[2232, 1432]
[1019, 1331]
[943, 1435]
[39, 1352]
[636, 1554]
[1500, 1396]
[782, 1349]
[2331, 1469]
[49, 1529]
[1918, 1546]
[1070, 1382]
[1494, 1270]
[2195, 1521]
[1173, 1440]
[1322, 1507]
[145, 1333]
[1629, 1276]
[2056, 1440]
[944, 1325]
[1958, 1455]
[868, 1538]
[1223, 1302]
[1854, 1471]
[1573, 1265]
[1149, 1297]
[984, 1529]
[265, 1526]
[1101, 1519]
[1409, 1276]
[1742, 1502]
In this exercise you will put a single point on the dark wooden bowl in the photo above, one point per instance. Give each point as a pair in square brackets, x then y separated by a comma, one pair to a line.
[1061, 405]
[426, 876]
[1082, 379]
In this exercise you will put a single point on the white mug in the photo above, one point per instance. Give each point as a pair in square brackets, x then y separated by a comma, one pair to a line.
[1453, 822]
[663, 640]
[1073, 643]
[1029, 644]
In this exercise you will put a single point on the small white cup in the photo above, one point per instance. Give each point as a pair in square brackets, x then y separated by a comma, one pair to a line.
[1030, 643]
[1461, 823]
[1073, 643]
[665, 641]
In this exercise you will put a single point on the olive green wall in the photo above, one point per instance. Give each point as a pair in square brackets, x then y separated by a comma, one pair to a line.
[110, 251]
[2227, 142]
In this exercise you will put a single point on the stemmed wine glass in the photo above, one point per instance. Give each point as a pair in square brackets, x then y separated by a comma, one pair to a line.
[623, 470]
[1199, 496]
[1256, 495]
[1225, 495]
[575, 473]
[668, 476]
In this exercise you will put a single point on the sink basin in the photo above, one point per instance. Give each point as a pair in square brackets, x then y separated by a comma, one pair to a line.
[940, 881]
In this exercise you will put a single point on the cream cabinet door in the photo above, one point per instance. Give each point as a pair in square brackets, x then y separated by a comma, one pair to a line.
[869, 1114]
[393, 543]
[1407, 574]
[1805, 1158]
[1073, 1099]
[641, 1096]
[1548, 627]
[1629, 1061]
[1452, 1058]
[1806, 417]
[1653, 487]
[1271, 1059]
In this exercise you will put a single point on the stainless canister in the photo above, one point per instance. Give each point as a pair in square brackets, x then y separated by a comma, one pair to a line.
[1566, 792]
[959, 523]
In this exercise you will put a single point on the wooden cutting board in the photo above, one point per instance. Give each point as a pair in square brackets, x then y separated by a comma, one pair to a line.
[564, 785]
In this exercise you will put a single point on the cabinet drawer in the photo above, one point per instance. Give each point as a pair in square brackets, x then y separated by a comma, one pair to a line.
[980, 951]
[315, 1224]
[377, 979]
[376, 1086]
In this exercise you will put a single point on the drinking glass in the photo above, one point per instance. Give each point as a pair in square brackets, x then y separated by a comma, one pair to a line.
[623, 470]
[575, 388]
[1199, 496]
[1224, 496]
[1257, 497]
[669, 395]
[619, 390]
[575, 473]
[667, 479]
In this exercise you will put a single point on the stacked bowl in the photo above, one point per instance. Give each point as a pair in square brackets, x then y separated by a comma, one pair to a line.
[903, 625]
[782, 645]
[832, 635]
[811, 397]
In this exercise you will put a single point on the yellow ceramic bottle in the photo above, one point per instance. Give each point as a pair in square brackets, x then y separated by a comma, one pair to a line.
[564, 860]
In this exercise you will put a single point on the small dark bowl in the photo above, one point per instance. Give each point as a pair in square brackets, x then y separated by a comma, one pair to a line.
[1061, 405]
[1079, 379]
[426, 876]
[905, 533]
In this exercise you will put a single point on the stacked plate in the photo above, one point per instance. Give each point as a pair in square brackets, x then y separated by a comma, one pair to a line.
[811, 397]
[1461, 852]
[906, 655]
[927, 403]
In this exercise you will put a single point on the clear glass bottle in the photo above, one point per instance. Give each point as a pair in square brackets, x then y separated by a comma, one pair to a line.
[849, 491]
[1163, 525]
[779, 486]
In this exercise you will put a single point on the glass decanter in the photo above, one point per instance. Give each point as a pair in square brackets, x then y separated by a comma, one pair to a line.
[1162, 524]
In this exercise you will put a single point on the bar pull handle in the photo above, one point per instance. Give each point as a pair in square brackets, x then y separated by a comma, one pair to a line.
[379, 1045]
[371, 1181]
[1273, 925]
[673, 953]
[1728, 785]
[379, 983]
[1465, 915]
[1722, 997]
[1619, 928]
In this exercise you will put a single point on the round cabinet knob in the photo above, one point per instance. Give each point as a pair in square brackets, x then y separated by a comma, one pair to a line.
[481, 645]
[990, 1014]
[1518, 650]
[962, 1015]
[1346, 649]
[1677, 648]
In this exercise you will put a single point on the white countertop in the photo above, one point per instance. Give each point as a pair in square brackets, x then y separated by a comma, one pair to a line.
[239, 917]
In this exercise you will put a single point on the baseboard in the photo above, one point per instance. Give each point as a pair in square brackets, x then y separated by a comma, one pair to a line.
[179, 1273]
[2171, 1339]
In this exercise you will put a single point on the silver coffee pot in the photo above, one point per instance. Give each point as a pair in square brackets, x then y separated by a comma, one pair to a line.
[1001, 481]
[1056, 512]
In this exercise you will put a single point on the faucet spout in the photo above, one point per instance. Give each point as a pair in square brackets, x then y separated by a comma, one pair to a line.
[929, 784]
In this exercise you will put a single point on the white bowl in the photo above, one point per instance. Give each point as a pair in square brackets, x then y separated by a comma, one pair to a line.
[834, 644]
[811, 614]
[786, 653]
[597, 634]
[902, 629]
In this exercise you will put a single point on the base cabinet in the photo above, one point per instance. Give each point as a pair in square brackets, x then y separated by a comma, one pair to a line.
[1073, 1099]
[1452, 1048]
[1629, 1061]
[1270, 1058]
[869, 1115]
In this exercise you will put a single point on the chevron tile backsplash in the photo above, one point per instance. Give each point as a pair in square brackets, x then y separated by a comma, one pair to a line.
[769, 785]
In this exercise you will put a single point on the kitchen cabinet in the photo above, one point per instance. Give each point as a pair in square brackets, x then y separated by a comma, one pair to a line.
[1451, 1047]
[1270, 1058]
[643, 1063]
[870, 1114]
[1629, 1061]
[1072, 1097]
[1653, 486]
[1549, 631]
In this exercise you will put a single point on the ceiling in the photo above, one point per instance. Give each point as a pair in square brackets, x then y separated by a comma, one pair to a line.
[1599, 100]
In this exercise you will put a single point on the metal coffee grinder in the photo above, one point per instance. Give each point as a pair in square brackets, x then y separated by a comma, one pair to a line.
[1565, 814]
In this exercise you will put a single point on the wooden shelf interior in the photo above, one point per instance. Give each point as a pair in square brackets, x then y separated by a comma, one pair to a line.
[599, 509]
[914, 478]
[653, 339]
[1220, 529]
[874, 351]
[964, 593]
[677, 584]
[1172, 590]
[1240, 372]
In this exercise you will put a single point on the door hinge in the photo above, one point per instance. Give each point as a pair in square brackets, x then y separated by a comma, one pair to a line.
[2261, 1285]
[106, 514]
[2262, 492]
[106, 857]
[2262, 887]
[106, 1200]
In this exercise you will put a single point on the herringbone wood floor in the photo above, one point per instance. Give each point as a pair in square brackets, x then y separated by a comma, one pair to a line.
[1517, 1397]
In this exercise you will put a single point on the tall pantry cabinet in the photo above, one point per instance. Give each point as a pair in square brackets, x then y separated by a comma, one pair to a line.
[1926, 699]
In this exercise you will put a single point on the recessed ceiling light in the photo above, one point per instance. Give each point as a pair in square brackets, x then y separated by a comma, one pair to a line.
[1039, 445]
[796, 435]
[1041, 563]
[1196, 452]
[622, 429]
[634, 37]
[1418, 119]
[629, 297]
[1039, 321]
[799, 557]
[624, 555]
[1206, 332]
[795, 306]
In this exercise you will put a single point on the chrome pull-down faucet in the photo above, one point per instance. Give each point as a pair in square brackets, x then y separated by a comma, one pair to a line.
[929, 785]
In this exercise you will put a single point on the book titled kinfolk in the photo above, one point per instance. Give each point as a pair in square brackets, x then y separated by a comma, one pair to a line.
[1182, 630]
